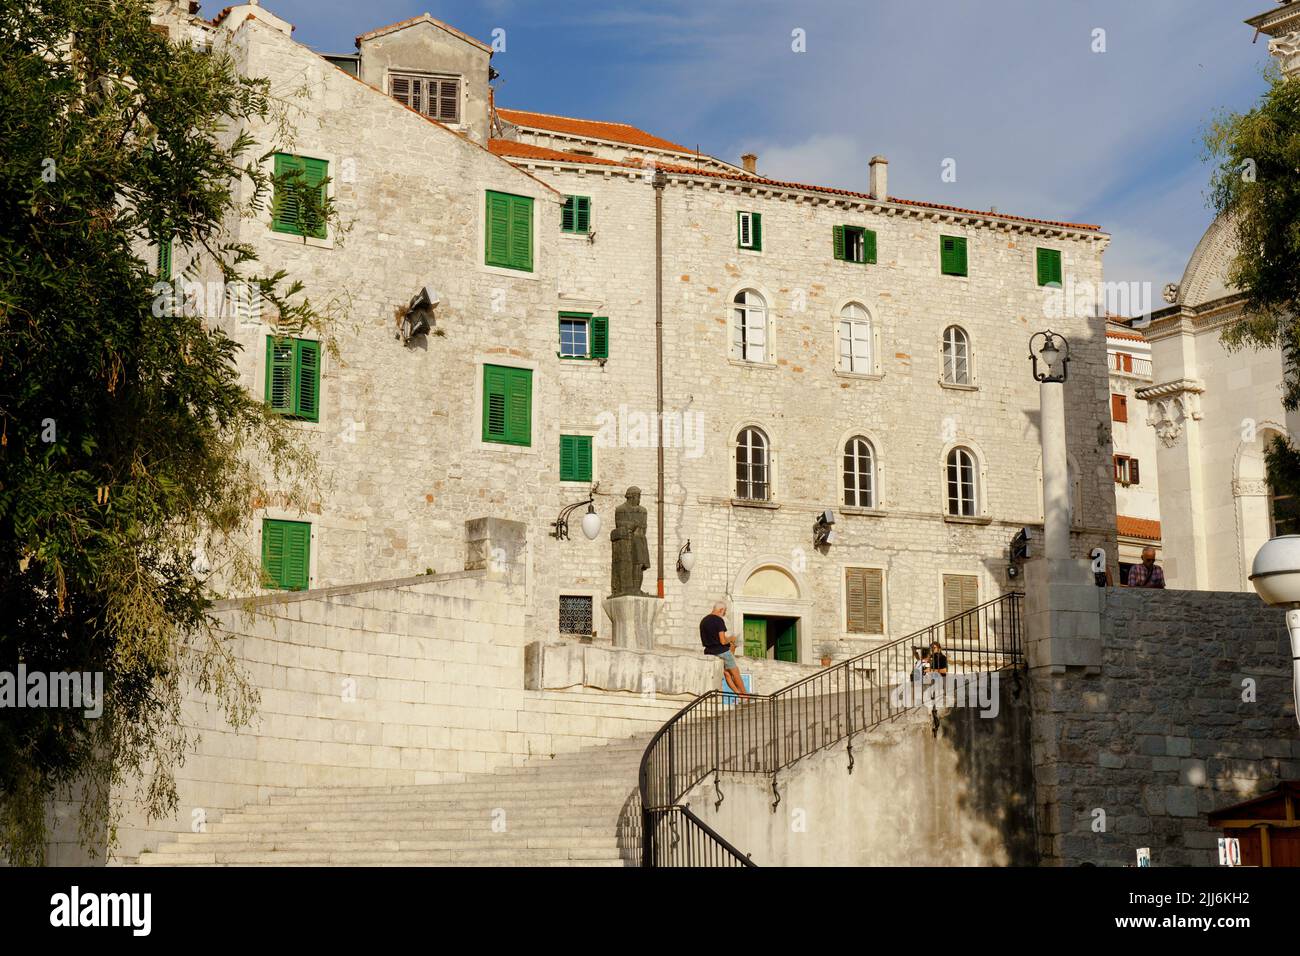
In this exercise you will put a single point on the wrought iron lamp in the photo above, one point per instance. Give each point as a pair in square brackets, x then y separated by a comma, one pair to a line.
[686, 558]
[824, 529]
[590, 521]
[1054, 353]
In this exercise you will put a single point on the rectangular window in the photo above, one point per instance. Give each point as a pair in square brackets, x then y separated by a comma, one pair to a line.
[1119, 408]
[1126, 470]
[1049, 267]
[286, 554]
[961, 593]
[854, 244]
[293, 377]
[575, 458]
[952, 255]
[289, 212]
[749, 230]
[507, 405]
[575, 615]
[509, 231]
[436, 96]
[576, 216]
[584, 336]
[864, 600]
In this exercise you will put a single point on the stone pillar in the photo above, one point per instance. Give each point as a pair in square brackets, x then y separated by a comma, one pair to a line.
[633, 617]
[1056, 472]
[499, 547]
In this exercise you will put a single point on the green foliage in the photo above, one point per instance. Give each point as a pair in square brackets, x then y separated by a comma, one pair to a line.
[1256, 188]
[126, 438]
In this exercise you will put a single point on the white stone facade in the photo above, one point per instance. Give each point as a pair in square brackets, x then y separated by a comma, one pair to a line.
[1137, 487]
[400, 427]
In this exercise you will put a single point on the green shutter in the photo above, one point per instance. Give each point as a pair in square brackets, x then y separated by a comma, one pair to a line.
[507, 405]
[165, 259]
[756, 229]
[519, 407]
[839, 242]
[307, 376]
[521, 233]
[497, 245]
[869, 246]
[952, 255]
[1049, 267]
[286, 554]
[582, 223]
[315, 173]
[567, 214]
[286, 212]
[755, 630]
[599, 333]
[280, 374]
[575, 458]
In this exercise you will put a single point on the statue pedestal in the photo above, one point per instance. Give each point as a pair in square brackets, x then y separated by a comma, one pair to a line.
[633, 617]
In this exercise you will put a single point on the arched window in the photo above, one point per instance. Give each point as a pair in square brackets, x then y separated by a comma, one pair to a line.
[859, 473]
[855, 339]
[749, 327]
[956, 356]
[963, 487]
[753, 466]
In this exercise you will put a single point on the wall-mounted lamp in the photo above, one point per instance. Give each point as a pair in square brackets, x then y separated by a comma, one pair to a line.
[418, 317]
[824, 529]
[1053, 351]
[1019, 552]
[686, 558]
[590, 521]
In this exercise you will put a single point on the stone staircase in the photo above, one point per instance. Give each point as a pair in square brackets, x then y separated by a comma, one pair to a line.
[552, 811]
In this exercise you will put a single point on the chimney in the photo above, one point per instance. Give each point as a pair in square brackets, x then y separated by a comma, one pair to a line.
[879, 178]
[750, 162]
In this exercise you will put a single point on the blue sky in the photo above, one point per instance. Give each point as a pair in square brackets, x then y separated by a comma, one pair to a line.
[1038, 123]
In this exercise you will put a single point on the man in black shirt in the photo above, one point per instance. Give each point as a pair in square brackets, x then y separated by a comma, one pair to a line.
[713, 635]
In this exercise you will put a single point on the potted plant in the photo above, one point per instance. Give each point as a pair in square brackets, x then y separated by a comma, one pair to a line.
[828, 651]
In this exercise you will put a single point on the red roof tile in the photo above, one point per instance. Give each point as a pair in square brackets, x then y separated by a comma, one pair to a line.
[1138, 527]
[1130, 336]
[510, 147]
[592, 129]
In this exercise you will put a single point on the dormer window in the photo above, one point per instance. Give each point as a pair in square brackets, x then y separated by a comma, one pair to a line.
[435, 96]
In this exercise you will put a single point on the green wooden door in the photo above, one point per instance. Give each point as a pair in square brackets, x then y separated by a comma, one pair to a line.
[787, 642]
[756, 637]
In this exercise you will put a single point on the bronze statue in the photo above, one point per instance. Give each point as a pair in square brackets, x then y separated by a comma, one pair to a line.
[631, 553]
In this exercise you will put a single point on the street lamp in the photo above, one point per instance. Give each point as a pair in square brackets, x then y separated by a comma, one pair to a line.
[1275, 574]
[686, 558]
[1053, 351]
[590, 521]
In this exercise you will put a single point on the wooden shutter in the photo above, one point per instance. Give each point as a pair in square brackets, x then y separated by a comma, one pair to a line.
[575, 458]
[280, 375]
[307, 377]
[1049, 267]
[599, 330]
[838, 239]
[315, 172]
[497, 251]
[297, 555]
[496, 387]
[952, 255]
[519, 407]
[1119, 408]
[400, 89]
[583, 219]
[756, 231]
[448, 100]
[569, 214]
[273, 534]
[165, 259]
[1126, 362]
[744, 230]
[285, 212]
[869, 246]
[960, 594]
[1115, 465]
[521, 233]
[864, 600]
[1133, 471]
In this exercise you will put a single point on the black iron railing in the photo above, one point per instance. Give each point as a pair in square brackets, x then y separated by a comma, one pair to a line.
[763, 734]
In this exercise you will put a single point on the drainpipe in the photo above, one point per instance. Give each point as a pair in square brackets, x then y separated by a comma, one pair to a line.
[660, 181]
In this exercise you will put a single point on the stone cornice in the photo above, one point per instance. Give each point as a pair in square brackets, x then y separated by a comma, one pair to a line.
[1175, 387]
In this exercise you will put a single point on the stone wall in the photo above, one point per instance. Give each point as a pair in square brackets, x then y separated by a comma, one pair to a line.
[401, 682]
[1189, 712]
[915, 798]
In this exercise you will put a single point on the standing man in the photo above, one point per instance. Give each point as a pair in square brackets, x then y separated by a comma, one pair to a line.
[1146, 574]
[713, 635]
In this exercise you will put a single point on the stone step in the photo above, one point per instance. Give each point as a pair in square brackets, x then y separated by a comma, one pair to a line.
[543, 784]
[413, 830]
[577, 802]
[505, 856]
[345, 843]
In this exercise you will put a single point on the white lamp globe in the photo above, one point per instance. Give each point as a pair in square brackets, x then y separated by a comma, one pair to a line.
[591, 524]
[687, 559]
[1276, 571]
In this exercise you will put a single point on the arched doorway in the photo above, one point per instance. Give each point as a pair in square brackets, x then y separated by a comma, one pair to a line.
[771, 612]
[1260, 513]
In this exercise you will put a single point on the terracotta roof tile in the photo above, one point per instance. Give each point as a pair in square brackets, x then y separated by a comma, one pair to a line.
[594, 129]
[1138, 527]
[1129, 336]
[510, 147]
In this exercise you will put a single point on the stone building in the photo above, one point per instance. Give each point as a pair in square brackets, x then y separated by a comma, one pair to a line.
[1137, 488]
[823, 350]
[1215, 411]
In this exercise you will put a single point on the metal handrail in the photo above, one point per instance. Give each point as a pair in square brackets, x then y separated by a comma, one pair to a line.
[765, 733]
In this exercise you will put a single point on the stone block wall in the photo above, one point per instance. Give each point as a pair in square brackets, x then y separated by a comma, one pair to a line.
[1190, 712]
